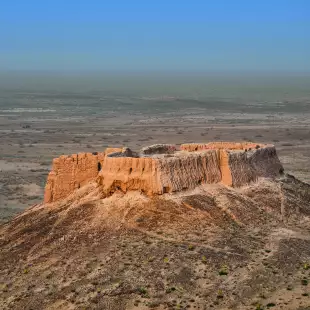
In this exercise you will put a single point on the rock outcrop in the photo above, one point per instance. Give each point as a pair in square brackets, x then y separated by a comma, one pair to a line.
[161, 168]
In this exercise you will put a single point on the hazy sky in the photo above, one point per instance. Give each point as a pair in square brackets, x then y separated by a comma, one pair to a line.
[218, 35]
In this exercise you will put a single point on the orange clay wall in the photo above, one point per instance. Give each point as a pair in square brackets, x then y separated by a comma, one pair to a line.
[71, 172]
[192, 147]
[233, 164]
[159, 175]
[242, 163]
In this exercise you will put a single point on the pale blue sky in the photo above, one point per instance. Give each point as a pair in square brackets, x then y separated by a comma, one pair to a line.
[161, 35]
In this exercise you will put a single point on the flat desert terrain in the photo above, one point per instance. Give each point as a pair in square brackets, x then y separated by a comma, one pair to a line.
[45, 116]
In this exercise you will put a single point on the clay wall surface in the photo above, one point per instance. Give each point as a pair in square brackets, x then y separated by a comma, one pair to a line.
[226, 176]
[242, 172]
[192, 147]
[111, 150]
[248, 166]
[234, 146]
[266, 162]
[155, 173]
[129, 173]
[186, 171]
[159, 175]
[71, 172]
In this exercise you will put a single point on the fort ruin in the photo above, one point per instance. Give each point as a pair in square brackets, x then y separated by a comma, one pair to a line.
[163, 168]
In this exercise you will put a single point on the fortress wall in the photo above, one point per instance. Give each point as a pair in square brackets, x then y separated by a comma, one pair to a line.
[187, 172]
[130, 173]
[233, 164]
[226, 176]
[242, 163]
[248, 166]
[71, 172]
[266, 163]
[110, 150]
[192, 147]
[242, 172]
[159, 175]
[233, 145]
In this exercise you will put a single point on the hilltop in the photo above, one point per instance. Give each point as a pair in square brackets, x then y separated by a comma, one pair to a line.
[206, 226]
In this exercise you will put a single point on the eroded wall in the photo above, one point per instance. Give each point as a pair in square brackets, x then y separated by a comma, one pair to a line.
[233, 164]
[71, 172]
[247, 167]
[129, 173]
[159, 175]
[189, 170]
[193, 147]
[242, 163]
[266, 162]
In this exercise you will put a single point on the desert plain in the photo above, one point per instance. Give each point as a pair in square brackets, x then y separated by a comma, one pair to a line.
[43, 116]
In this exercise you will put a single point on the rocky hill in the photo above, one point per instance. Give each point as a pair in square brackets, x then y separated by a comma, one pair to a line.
[99, 242]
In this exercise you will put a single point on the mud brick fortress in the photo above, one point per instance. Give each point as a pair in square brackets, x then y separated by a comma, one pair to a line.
[163, 168]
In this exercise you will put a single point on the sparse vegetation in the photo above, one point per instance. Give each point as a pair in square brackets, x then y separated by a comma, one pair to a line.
[224, 270]
[142, 291]
[220, 294]
[306, 266]
[270, 305]
[170, 289]
[304, 281]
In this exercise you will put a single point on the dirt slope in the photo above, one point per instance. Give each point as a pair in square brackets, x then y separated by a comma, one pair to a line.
[211, 248]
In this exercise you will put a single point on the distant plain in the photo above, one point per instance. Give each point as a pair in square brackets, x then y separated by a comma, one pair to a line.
[43, 116]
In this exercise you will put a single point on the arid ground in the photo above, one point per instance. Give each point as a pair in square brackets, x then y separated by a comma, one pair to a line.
[209, 248]
[42, 117]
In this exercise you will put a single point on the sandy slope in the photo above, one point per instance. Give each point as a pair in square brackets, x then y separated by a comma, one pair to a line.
[210, 248]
